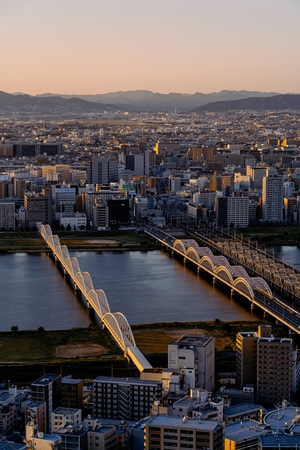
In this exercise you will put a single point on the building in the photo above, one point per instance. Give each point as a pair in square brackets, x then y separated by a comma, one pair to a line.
[65, 198]
[266, 362]
[7, 216]
[76, 221]
[246, 358]
[103, 436]
[8, 419]
[194, 356]
[38, 208]
[47, 389]
[232, 211]
[138, 163]
[71, 392]
[65, 417]
[272, 197]
[164, 432]
[102, 170]
[124, 398]
[244, 435]
[35, 413]
[274, 369]
[37, 440]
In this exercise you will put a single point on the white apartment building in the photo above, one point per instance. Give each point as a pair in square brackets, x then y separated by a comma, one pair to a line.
[75, 221]
[194, 356]
[63, 417]
[232, 211]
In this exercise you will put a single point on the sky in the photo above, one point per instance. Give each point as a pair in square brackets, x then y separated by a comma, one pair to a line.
[183, 46]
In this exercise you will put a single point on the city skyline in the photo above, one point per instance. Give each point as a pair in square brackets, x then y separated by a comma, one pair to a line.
[75, 47]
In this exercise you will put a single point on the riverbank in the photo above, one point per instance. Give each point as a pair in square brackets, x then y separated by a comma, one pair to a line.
[89, 352]
[271, 235]
[112, 240]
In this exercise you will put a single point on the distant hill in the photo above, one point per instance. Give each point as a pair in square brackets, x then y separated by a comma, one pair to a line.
[276, 102]
[54, 105]
[142, 100]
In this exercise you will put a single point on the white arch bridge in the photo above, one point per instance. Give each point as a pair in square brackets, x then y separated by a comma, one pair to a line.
[116, 323]
[254, 288]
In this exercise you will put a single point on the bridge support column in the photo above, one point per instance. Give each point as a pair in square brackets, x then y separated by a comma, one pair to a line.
[231, 293]
[184, 261]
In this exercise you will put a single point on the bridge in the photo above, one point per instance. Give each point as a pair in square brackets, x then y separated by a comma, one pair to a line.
[116, 323]
[253, 288]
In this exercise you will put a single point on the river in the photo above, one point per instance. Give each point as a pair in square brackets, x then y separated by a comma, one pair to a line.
[145, 286]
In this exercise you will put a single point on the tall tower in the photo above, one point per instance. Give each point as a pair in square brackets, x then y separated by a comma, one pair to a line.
[272, 197]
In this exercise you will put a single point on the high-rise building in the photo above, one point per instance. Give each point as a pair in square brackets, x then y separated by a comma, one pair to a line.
[38, 208]
[72, 392]
[272, 197]
[47, 389]
[7, 216]
[232, 211]
[266, 362]
[102, 170]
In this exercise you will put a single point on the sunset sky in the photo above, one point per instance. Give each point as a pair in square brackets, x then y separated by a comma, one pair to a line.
[184, 46]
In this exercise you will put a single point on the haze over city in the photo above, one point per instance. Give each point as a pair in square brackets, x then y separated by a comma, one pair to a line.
[90, 47]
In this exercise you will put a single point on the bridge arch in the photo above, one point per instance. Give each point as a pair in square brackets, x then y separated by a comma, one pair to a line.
[243, 285]
[110, 321]
[193, 254]
[184, 244]
[125, 327]
[225, 274]
[207, 263]
[260, 285]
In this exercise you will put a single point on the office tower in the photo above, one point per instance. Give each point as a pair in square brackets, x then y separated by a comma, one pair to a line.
[102, 170]
[124, 398]
[47, 389]
[274, 369]
[266, 362]
[195, 357]
[65, 198]
[272, 197]
[38, 208]
[138, 163]
[165, 432]
[232, 211]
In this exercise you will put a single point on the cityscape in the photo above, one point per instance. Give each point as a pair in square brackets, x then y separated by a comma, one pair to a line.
[150, 225]
[189, 181]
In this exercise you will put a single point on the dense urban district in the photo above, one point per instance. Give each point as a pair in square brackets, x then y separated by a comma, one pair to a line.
[124, 172]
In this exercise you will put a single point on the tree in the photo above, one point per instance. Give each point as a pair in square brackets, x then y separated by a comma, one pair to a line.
[14, 328]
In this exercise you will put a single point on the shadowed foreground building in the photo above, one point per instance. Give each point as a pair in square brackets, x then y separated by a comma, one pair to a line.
[266, 362]
[165, 432]
[124, 398]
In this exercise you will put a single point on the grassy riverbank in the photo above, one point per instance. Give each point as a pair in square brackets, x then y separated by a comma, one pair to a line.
[80, 240]
[271, 235]
[88, 352]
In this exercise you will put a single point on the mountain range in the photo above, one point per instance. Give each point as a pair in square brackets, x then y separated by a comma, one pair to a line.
[53, 105]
